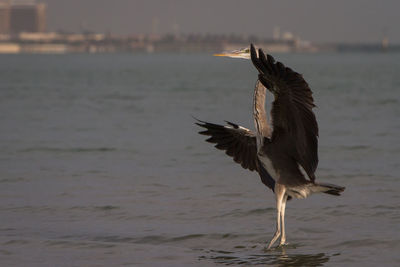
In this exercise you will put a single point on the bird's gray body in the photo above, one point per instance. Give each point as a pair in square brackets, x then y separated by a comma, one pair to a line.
[284, 151]
[274, 155]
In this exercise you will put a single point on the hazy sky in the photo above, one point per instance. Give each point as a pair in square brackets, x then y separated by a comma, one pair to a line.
[315, 20]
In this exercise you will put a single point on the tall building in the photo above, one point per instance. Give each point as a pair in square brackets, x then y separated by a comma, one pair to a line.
[4, 17]
[22, 16]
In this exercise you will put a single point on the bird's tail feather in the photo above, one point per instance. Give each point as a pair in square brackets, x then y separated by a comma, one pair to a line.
[330, 188]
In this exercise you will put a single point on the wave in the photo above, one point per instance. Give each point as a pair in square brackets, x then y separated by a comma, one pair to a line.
[162, 239]
[68, 150]
[355, 147]
[367, 242]
[276, 258]
[241, 213]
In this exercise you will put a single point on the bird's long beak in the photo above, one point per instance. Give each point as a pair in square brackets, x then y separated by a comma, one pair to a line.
[221, 55]
[240, 53]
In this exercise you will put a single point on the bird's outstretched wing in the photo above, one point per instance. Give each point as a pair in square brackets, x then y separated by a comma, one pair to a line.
[237, 141]
[293, 120]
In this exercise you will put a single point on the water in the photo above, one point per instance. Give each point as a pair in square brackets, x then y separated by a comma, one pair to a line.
[101, 163]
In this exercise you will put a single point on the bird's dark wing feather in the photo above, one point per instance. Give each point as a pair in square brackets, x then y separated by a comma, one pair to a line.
[292, 117]
[238, 142]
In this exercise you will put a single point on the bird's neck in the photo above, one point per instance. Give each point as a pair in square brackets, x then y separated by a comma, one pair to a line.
[260, 116]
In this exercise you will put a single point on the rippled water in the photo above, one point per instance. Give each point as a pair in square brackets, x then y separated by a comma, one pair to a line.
[101, 164]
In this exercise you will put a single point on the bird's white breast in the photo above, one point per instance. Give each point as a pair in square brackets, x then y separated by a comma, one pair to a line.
[267, 164]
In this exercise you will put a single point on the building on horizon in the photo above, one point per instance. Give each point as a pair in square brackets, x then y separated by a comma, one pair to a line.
[22, 16]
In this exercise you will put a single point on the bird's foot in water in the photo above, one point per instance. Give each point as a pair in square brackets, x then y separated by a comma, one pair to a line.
[269, 246]
[281, 245]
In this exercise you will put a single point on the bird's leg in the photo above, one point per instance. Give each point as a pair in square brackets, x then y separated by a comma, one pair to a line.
[279, 193]
[283, 207]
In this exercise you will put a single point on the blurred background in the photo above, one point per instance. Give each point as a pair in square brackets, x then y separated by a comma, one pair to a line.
[101, 163]
[57, 26]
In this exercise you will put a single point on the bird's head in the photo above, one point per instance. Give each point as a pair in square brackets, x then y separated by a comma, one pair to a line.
[239, 53]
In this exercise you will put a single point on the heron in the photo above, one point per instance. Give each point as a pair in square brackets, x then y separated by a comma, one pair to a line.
[283, 149]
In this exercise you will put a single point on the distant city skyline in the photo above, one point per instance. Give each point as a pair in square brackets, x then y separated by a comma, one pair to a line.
[318, 21]
[22, 16]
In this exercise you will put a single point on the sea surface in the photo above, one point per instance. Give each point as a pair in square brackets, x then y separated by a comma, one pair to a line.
[101, 163]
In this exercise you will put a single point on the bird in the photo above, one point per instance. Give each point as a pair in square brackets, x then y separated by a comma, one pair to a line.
[283, 149]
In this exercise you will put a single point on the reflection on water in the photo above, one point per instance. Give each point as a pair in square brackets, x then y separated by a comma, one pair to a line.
[276, 257]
